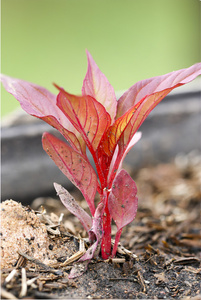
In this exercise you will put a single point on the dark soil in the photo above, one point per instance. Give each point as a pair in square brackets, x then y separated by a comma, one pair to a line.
[165, 236]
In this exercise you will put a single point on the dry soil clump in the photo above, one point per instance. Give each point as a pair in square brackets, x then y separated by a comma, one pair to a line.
[21, 230]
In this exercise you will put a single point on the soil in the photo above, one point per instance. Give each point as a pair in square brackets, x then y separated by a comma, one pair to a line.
[164, 240]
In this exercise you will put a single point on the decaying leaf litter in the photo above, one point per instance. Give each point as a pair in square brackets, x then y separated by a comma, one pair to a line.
[165, 237]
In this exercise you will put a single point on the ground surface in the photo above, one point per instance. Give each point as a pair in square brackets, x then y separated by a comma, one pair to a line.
[165, 236]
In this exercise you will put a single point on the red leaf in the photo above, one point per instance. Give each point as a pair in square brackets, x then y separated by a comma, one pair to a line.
[96, 85]
[87, 115]
[122, 200]
[70, 203]
[114, 132]
[39, 102]
[136, 109]
[144, 88]
[74, 165]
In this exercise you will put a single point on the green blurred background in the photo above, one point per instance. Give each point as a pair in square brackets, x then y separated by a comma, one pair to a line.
[44, 41]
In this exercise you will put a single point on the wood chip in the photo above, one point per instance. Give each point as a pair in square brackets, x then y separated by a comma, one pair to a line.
[72, 258]
[115, 260]
[193, 270]
[124, 251]
[7, 295]
[161, 278]
[141, 281]
[23, 291]
[187, 260]
[195, 243]
[11, 275]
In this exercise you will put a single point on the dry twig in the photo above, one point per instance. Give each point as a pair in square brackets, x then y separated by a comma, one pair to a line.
[42, 265]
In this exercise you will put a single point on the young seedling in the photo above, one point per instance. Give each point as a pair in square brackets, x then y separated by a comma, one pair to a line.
[108, 128]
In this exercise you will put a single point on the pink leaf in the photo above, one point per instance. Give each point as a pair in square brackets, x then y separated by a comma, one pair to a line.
[74, 165]
[97, 231]
[122, 201]
[87, 115]
[94, 249]
[157, 84]
[96, 85]
[39, 102]
[70, 203]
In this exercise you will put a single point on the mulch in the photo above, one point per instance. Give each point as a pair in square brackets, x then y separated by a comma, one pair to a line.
[163, 243]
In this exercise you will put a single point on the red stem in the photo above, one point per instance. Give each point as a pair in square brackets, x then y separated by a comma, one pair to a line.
[117, 238]
[106, 240]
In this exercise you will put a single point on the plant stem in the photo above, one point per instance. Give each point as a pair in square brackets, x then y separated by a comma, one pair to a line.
[106, 240]
[117, 238]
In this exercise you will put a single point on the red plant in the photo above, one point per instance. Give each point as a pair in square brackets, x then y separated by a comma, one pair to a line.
[108, 128]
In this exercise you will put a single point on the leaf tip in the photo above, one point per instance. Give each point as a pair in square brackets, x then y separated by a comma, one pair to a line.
[57, 187]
